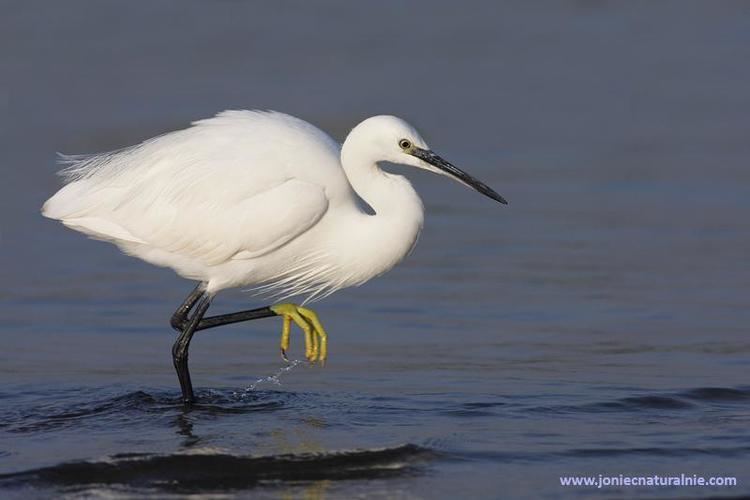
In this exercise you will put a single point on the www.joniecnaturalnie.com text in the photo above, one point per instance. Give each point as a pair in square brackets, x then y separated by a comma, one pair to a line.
[621, 480]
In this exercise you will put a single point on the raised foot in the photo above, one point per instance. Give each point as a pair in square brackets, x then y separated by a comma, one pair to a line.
[316, 340]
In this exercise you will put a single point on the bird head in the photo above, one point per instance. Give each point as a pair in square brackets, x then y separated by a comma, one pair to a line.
[398, 142]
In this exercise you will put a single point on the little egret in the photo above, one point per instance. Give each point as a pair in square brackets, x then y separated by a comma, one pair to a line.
[259, 199]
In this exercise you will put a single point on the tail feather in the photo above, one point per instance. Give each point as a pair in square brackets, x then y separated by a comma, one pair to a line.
[76, 205]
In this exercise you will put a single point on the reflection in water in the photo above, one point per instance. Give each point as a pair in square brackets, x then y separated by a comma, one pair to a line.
[316, 490]
[301, 437]
[298, 436]
[185, 428]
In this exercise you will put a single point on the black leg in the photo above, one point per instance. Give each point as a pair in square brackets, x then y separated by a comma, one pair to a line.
[238, 317]
[179, 318]
[181, 346]
[187, 326]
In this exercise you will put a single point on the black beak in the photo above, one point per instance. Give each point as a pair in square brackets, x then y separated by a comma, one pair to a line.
[457, 173]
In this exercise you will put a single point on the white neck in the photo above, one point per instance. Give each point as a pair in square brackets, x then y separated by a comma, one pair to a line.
[399, 213]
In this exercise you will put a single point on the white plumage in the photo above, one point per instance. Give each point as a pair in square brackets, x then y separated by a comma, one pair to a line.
[258, 199]
[250, 198]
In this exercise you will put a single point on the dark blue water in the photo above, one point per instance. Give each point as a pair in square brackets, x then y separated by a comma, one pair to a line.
[597, 325]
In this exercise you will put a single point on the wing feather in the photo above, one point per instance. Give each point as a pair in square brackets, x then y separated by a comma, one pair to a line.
[249, 228]
[235, 186]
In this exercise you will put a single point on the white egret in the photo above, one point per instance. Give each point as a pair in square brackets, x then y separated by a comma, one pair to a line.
[260, 199]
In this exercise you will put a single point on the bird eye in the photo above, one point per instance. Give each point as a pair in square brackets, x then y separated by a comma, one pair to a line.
[404, 144]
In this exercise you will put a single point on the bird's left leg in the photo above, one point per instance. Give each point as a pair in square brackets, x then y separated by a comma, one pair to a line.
[316, 339]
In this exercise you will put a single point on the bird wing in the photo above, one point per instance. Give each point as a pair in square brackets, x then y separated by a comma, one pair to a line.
[215, 231]
[238, 185]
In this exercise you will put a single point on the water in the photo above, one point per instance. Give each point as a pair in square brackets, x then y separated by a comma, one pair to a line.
[597, 325]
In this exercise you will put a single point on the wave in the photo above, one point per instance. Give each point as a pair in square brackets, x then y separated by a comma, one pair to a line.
[680, 400]
[198, 471]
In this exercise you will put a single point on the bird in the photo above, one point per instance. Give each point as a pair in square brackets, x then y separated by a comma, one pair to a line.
[259, 200]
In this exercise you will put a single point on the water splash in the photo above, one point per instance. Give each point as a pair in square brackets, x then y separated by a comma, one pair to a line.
[274, 379]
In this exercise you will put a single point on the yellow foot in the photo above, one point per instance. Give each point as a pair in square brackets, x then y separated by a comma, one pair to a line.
[316, 340]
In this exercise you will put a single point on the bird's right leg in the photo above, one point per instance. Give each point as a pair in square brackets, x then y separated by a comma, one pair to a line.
[182, 344]
[180, 316]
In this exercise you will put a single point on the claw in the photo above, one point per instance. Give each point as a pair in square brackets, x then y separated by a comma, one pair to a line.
[316, 339]
[322, 337]
[285, 333]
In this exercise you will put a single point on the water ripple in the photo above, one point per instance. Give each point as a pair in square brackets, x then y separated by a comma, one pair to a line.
[133, 406]
[683, 400]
